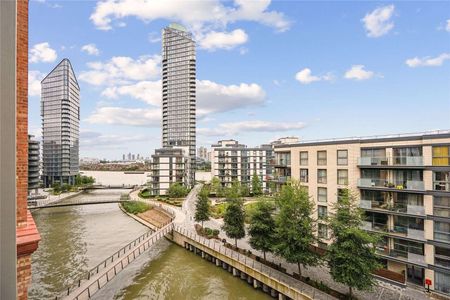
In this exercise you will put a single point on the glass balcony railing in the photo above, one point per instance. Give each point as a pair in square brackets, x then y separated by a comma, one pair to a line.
[404, 255]
[408, 161]
[407, 209]
[399, 185]
[374, 226]
[411, 233]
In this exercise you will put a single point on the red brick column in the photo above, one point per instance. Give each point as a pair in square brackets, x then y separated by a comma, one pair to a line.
[27, 235]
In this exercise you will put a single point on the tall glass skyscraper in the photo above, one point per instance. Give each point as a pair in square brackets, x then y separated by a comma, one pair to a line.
[60, 111]
[178, 90]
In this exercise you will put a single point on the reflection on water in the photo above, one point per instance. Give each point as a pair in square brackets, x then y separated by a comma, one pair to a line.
[75, 239]
[179, 274]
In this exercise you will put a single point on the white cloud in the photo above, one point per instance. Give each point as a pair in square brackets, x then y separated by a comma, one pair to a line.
[42, 53]
[305, 76]
[357, 72]
[231, 129]
[197, 14]
[447, 27]
[122, 70]
[223, 40]
[428, 61]
[154, 37]
[34, 83]
[147, 91]
[90, 49]
[215, 98]
[126, 116]
[377, 22]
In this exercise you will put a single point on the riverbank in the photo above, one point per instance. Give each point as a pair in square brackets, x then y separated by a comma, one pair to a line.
[154, 218]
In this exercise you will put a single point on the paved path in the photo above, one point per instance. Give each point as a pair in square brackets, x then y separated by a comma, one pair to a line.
[381, 292]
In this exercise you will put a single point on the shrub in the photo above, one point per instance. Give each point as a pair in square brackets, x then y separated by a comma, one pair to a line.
[145, 193]
[135, 207]
[177, 190]
[215, 232]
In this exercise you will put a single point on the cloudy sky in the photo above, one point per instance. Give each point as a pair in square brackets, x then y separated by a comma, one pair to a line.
[264, 69]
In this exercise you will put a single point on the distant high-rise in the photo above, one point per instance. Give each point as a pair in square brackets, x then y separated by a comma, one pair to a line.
[60, 111]
[123, 157]
[33, 163]
[178, 91]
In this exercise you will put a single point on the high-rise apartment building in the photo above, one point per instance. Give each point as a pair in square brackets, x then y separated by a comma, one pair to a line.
[403, 185]
[60, 111]
[202, 153]
[178, 91]
[33, 164]
[231, 161]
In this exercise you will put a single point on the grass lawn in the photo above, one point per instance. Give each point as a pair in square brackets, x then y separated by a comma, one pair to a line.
[135, 207]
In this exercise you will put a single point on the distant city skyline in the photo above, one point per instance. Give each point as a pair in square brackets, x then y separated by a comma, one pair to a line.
[313, 70]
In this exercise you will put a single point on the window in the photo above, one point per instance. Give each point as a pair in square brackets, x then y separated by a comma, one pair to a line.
[441, 181]
[303, 158]
[323, 231]
[442, 231]
[321, 176]
[322, 194]
[342, 177]
[442, 256]
[342, 157]
[441, 206]
[322, 212]
[442, 282]
[304, 175]
[321, 158]
[403, 156]
[441, 156]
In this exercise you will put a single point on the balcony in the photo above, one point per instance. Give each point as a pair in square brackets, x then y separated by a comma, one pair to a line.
[409, 257]
[374, 226]
[280, 179]
[395, 207]
[415, 185]
[400, 161]
[401, 230]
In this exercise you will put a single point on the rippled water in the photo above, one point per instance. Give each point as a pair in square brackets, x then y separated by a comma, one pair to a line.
[74, 239]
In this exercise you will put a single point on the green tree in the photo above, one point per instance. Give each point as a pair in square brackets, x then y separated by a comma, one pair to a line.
[256, 185]
[244, 190]
[202, 206]
[216, 187]
[295, 227]
[233, 220]
[233, 192]
[56, 187]
[351, 257]
[262, 227]
[177, 190]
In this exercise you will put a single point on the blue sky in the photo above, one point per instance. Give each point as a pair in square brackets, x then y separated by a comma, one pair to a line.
[264, 70]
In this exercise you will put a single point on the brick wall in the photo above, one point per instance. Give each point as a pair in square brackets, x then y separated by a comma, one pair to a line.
[22, 113]
[27, 235]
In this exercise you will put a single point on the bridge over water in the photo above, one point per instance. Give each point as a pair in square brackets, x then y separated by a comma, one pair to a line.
[62, 203]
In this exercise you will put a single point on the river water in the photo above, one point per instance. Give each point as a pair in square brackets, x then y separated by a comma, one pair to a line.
[75, 239]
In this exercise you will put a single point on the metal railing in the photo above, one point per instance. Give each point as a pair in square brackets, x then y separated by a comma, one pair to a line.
[285, 279]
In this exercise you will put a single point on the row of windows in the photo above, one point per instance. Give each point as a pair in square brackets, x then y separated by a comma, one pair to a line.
[342, 176]
[342, 158]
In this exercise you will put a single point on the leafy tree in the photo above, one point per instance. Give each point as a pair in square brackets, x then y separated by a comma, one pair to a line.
[351, 256]
[56, 187]
[233, 192]
[262, 227]
[256, 185]
[216, 187]
[233, 220]
[202, 206]
[177, 190]
[295, 227]
[244, 190]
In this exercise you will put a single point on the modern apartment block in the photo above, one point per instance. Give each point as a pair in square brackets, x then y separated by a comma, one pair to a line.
[403, 185]
[178, 92]
[169, 165]
[231, 161]
[203, 153]
[33, 164]
[60, 111]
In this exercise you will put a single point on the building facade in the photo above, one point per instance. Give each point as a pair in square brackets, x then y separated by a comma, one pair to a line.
[231, 161]
[178, 92]
[60, 111]
[203, 154]
[403, 185]
[169, 165]
[33, 164]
